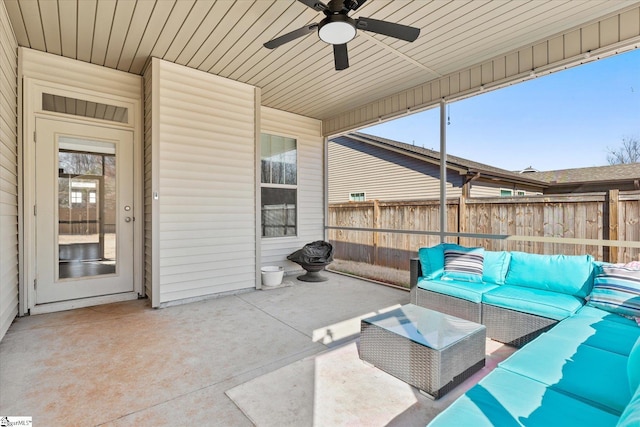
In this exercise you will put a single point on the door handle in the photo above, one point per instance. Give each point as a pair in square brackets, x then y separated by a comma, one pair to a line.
[127, 219]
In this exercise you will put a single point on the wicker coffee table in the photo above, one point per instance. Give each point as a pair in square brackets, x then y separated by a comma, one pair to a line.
[433, 352]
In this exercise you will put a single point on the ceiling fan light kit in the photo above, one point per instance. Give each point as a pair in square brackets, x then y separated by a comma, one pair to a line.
[337, 28]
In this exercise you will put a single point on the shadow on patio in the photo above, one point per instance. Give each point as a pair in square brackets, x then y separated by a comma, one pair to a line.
[286, 356]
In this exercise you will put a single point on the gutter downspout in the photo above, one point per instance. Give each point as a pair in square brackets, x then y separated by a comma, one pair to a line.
[443, 169]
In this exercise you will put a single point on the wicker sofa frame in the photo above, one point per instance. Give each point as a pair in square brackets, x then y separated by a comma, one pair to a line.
[503, 325]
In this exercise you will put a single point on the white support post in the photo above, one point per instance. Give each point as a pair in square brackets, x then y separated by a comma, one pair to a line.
[443, 169]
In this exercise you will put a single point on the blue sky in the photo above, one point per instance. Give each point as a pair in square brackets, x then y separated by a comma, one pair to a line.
[564, 120]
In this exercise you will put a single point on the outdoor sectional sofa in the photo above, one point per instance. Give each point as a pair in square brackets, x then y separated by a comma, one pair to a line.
[580, 358]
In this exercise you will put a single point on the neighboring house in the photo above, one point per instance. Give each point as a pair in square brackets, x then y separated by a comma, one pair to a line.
[584, 180]
[365, 167]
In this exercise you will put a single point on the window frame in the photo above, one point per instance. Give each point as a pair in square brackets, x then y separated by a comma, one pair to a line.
[280, 186]
[353, 199]
[75, 196]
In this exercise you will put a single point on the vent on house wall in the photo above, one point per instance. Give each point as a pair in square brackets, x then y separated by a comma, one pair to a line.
[81, 107]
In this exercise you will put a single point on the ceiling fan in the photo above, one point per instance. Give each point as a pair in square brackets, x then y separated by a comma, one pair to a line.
[337, 28]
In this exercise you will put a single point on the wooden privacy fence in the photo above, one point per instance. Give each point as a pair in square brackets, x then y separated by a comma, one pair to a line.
[613, 216]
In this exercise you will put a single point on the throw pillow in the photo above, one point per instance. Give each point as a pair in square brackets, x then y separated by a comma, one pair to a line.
[617, 289]
[463, 264]
[432, 260]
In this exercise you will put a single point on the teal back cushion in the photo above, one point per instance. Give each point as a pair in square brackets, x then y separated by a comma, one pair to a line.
[432, 260]
[567, 274]
[633, 367]
[496, 265]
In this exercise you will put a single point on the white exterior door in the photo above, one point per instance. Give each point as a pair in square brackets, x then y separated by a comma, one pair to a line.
[84, 211]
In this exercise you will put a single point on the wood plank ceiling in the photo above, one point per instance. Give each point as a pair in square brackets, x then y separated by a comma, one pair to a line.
[225, 37]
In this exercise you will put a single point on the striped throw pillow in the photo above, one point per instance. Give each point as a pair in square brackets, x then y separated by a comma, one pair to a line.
[617, 289]
[464, 264]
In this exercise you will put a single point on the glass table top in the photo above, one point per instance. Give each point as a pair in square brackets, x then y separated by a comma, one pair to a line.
[423, 326]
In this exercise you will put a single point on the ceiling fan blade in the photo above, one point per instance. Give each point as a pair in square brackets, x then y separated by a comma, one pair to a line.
[285, 38]
[314, 4]
[399, 31]
[340, 56]
[354, 4]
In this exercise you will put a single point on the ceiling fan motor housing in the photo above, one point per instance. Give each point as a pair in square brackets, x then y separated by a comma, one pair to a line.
[337, 29]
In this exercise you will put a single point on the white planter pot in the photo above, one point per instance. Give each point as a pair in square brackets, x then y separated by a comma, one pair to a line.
[272, 275]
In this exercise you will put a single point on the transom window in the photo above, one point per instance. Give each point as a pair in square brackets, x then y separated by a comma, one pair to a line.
[279, 185]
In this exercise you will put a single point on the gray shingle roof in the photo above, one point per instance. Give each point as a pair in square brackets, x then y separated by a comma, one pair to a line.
[609, 173]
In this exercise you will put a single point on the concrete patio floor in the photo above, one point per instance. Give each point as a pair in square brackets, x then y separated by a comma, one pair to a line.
[128, 364]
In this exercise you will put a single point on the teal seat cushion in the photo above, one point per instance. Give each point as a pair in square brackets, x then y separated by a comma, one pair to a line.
[607, 335]
[504, 398]
[633, 367]
[593, 375]
[552, 305]
[496, 265]
[594, 312]
[432, 260]
[470, 291]
[567, 274]
[631, 415]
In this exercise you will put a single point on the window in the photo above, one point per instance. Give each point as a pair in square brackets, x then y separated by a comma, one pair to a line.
[506, 192]
[279, 186]
[92, 197]
[76, 197]
[83, 108]
[357, 197]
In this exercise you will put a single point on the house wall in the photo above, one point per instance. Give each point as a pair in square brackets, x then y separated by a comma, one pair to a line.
[310, 145]
[383, 174]
[8, 173]
[79, 79]
[202, 154]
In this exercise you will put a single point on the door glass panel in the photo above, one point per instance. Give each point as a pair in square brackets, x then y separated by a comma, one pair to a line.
[86, 207]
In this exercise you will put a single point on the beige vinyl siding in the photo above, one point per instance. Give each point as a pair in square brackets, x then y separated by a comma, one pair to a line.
[599, 39]
[148, 205]
[203, 169]
[489, 189]
[8, 174]
[383, 174]
[57, 69]
[310, 146]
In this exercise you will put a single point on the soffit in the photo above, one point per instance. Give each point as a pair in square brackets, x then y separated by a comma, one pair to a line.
[225, 38]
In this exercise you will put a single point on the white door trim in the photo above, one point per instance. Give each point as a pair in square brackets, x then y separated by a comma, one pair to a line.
[32, 90]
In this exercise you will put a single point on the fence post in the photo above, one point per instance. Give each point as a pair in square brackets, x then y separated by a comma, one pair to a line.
[462, 218]
[613, 198]
[376, 225]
